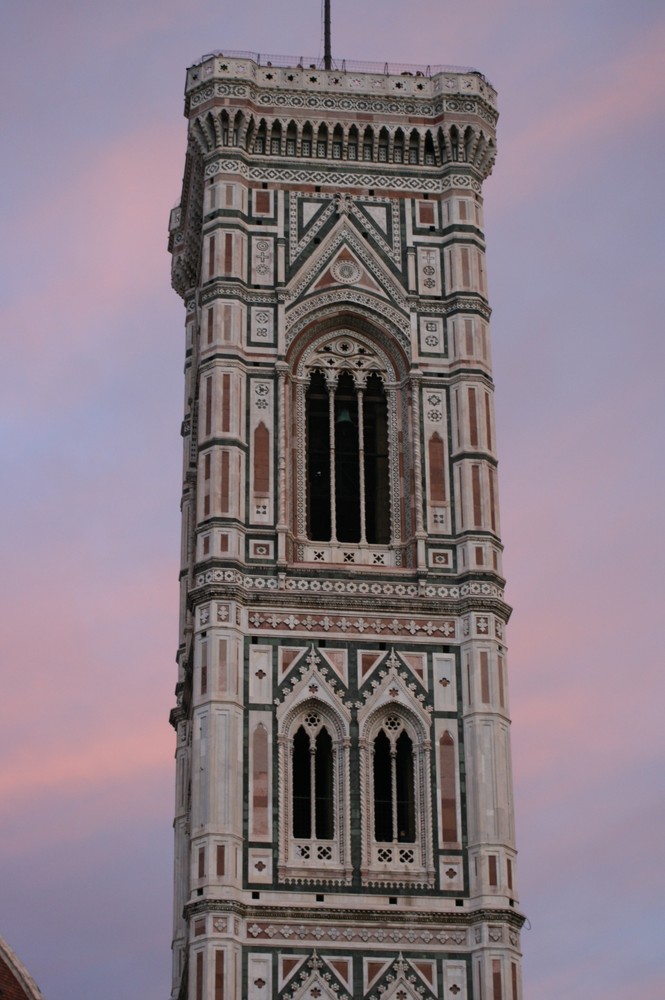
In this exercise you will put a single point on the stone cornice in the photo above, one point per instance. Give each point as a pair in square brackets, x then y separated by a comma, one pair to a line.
[354, 915]
[347, 174]
[306, 87]
[415, 607]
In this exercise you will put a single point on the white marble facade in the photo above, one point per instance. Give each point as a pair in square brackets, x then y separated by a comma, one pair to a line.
[344, 821]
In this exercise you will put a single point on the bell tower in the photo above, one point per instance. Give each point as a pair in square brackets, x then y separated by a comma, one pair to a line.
[344, 819]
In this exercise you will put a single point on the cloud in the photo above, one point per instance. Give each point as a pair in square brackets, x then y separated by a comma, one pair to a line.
[96, 250]
[70, 767]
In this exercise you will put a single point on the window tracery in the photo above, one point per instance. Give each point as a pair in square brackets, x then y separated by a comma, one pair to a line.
[394, 793]
[312, 781]
[313, 766]
[347, 472]
[394, 778]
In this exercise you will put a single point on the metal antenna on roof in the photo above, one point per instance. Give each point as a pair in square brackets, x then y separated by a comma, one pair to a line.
[327, 58]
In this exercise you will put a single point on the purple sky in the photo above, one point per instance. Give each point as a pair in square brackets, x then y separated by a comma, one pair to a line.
[93, 147]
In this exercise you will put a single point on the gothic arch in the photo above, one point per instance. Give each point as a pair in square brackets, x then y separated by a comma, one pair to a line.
[309, 853]
[330, 139]
[354, 360]
[291, 720]
[397, 851]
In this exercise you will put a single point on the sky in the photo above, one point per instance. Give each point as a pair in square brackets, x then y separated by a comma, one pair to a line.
[92, 152]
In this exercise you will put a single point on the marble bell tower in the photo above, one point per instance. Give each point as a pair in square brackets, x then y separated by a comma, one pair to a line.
[344, 816]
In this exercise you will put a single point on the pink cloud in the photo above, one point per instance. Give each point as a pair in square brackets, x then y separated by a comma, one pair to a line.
[104, 759]
[97, 249]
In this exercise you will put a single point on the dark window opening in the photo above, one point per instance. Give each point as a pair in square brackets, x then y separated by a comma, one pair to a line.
[323, 781]
[318, 459]
[406, 819]
[383, 806]
[302, 789]
[347, 462]
[313, 795]
[377, 508]
[360, 466]
[394, 790]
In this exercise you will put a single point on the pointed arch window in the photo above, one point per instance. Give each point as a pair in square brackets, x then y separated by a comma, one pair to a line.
[346, 450]
[225, 128]
[352, 148]
[276, 138]
[383, 145]
[347, 460]
[368, 144]
[337, 143]
[291, 139]
[414, 145]
[322, 141]
[261, 138]
[394, 798]
[237, 128]
[395, 829]
[312, 801]
[313, 795]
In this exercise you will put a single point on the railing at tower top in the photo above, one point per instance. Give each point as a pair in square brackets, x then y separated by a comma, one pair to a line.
[341, 65]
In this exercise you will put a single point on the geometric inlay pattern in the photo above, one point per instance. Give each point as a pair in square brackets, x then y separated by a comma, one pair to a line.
[355, 625]
[316, 584]
[359, 933]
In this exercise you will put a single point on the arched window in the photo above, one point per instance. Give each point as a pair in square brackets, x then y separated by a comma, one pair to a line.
[352, 148]
[383, 145]
[260, 140]
[395, 772]
[312, 800]
[276, 138]
[307, 139]
[394, 797]
[469, 142]
[368, 144]
[338, 142]
[322, 141]
[313, 795]
[238, 126]
[291, 139]
[414, 146]
[398, 148]
[454, 143]
[347, 460]
[346, 449]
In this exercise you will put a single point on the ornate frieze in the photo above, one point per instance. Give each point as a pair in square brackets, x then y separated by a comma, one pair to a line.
[338, 177]
[328, 304]
[353, 933]
[351, 625]
[361, 587]
[364, 210]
